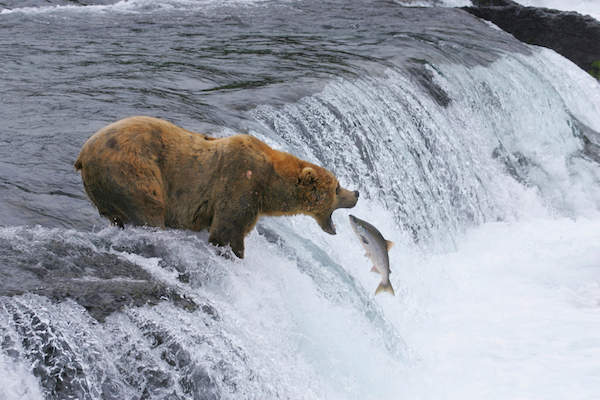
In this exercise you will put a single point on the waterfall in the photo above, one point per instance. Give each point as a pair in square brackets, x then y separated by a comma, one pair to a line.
[486, 176]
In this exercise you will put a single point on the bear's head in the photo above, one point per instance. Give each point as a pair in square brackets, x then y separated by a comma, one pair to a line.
[321, 194]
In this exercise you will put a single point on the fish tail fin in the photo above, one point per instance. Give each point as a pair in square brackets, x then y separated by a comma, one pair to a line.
[389, 244]
[385, 287]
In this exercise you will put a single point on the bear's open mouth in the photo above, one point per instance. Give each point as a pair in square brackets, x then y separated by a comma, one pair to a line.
[328, 226]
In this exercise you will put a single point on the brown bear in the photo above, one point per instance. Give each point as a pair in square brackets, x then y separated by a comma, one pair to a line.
[147, 171]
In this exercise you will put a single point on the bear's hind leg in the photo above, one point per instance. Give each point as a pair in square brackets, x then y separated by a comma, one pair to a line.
[124, 200]
[124, 207]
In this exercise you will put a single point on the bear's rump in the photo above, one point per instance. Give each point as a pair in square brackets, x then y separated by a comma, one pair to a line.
[126, 192]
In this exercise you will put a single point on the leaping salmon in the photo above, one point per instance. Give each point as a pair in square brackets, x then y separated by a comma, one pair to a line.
[376, 248]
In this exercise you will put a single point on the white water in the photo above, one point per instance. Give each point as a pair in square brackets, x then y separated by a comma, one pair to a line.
[16, 381]
[512, 312]
[498, 300]
[132, 6]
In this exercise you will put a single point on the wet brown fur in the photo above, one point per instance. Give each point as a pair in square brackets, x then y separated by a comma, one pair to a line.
[147, 171]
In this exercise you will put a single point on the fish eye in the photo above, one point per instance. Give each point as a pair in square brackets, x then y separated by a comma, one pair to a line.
[337, 189]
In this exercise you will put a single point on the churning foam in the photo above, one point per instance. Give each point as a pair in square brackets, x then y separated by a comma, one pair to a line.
[513, 313]
[17, 381]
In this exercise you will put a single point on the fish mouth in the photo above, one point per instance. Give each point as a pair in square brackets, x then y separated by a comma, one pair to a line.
[354, 223]
[327, 224]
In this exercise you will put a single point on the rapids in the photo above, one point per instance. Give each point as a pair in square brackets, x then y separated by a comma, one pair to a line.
[476, 154]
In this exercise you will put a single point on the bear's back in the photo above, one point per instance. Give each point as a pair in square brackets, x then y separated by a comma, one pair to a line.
[133, 136]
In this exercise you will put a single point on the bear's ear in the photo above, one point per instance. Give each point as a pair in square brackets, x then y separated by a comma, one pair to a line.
[307, 176]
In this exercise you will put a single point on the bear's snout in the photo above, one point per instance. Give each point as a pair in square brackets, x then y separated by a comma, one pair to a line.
[347, 198]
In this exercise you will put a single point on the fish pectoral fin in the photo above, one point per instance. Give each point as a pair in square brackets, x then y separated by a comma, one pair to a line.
[374, 269]
[385, 287]
[389, 244]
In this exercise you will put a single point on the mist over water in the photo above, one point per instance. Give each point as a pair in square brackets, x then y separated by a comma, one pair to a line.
[477, 155]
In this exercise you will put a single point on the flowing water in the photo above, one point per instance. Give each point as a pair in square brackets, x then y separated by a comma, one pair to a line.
[477, 155]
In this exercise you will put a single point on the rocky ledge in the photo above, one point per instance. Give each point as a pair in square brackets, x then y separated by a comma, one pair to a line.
[64, 265]
[574, 36]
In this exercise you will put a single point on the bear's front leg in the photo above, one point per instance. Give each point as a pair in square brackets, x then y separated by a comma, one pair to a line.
[222, 237]
[237, 246]
[232, 221]
[231, 231]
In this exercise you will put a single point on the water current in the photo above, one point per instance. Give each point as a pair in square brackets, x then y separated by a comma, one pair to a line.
[476, 154]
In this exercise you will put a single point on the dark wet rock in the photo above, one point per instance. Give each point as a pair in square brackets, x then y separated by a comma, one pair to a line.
[99, 281]
[574, 36]
[152, 363]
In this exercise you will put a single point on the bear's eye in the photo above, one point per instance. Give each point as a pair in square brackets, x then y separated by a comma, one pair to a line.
[337, 189]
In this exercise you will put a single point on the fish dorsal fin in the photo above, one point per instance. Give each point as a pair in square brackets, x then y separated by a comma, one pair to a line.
[389, 244]
[374, 269]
